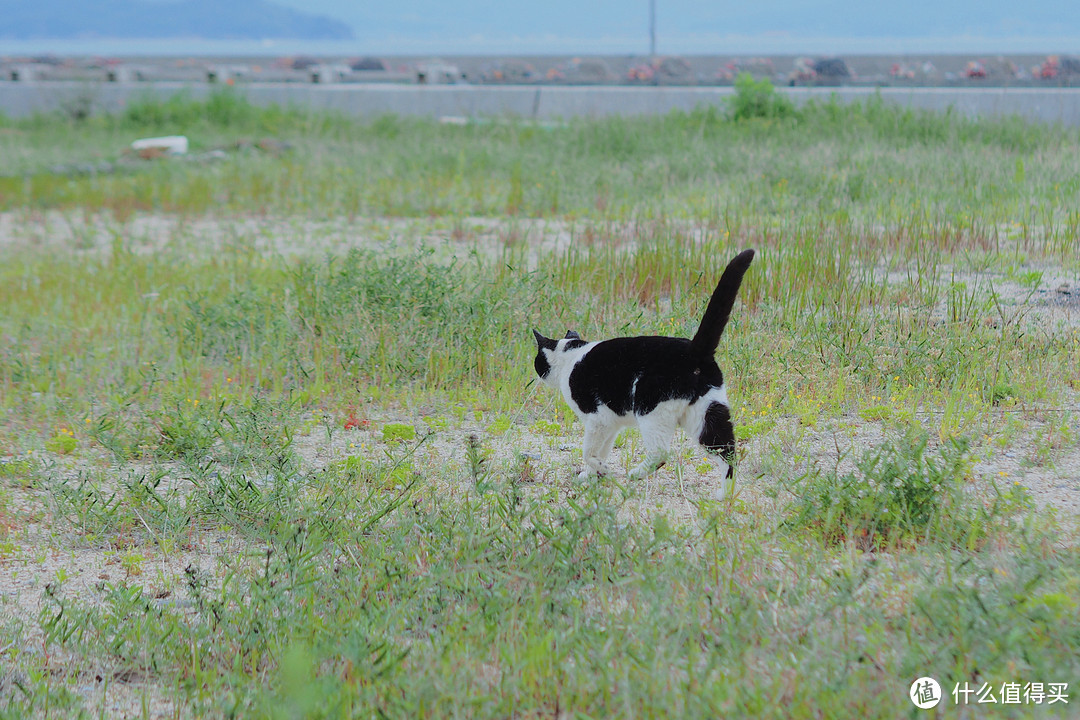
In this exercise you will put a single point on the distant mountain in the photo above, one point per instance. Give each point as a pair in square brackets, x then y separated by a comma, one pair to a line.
[208, 19]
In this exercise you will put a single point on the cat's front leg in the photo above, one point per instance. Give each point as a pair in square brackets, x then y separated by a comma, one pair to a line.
[652, 463]
[595, 449]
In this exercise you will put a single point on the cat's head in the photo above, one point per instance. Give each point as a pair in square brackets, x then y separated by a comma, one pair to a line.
[548, 350]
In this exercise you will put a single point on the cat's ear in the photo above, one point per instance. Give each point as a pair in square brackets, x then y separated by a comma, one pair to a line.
[544, 343]
[572, 335]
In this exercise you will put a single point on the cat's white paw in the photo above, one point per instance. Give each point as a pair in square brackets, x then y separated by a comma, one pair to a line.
[645, 469]
[598, 468]
[587, 475]
[726, 489]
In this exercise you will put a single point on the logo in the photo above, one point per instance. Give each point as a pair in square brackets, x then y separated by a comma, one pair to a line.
[925, 693]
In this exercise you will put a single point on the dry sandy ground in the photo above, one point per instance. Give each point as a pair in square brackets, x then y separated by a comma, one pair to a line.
[203, 237]
[42, 552]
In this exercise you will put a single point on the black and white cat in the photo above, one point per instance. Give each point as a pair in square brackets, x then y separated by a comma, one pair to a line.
[655, 383]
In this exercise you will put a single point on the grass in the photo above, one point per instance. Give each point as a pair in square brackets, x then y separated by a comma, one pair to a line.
[898, 495]
[319, 482]
[871, 164]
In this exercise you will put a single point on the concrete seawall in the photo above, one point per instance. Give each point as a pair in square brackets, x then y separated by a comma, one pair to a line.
[546, 102]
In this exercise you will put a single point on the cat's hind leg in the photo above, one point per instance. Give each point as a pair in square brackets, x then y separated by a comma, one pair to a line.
[718, 438]
[596, 448]
[717, 434]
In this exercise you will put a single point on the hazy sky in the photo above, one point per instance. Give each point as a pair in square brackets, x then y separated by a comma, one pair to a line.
[615, 27]
[697, 26]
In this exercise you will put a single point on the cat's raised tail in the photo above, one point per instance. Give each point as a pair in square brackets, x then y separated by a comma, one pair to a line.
[723, 299]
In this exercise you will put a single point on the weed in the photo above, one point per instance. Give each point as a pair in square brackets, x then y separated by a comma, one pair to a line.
[132, 563]
[477, 457]
[22, 472]
[757, 99]
[62, 443]
[546, 427]
[875, 412]
[1050, 440]
[500, 425]
[398, 433]
[899, 493]
[379, 474]
[746, 431]
[189, 429]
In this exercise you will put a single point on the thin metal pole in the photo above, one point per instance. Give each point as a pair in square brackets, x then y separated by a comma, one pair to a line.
[652, 28]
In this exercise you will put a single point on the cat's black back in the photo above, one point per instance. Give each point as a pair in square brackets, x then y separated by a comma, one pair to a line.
[635, 374]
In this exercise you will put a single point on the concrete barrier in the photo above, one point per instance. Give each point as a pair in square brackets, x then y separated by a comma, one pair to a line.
[549, 102]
